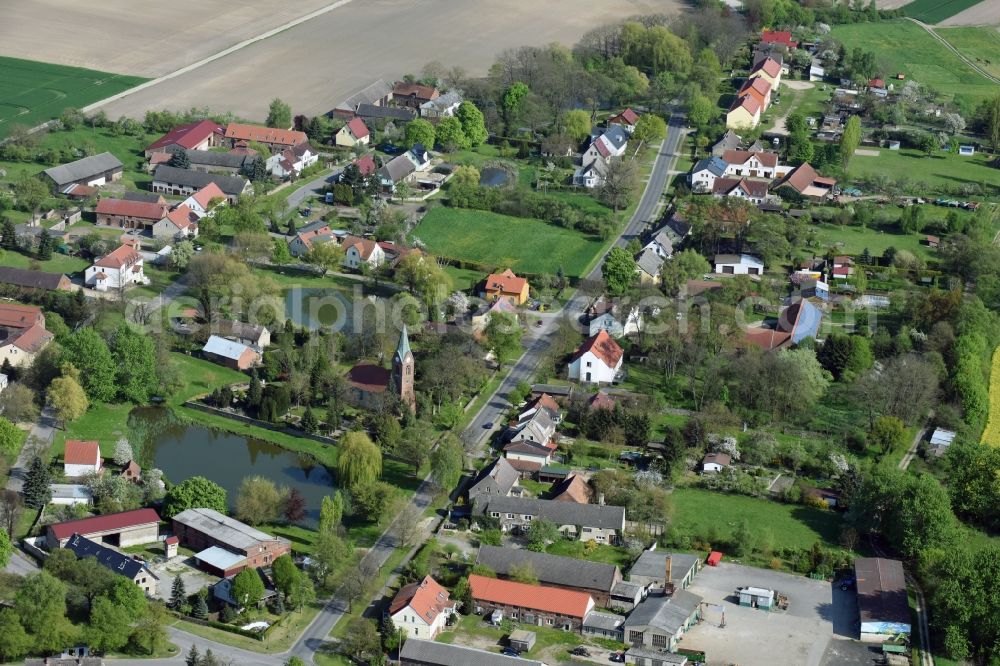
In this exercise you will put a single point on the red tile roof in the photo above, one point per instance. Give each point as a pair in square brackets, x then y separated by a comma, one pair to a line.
[357, 128]
[366, 165]
[187, 136]
[758, 87]
[626, 117]
[268, 135]
[426, 598]
[769, 66]
[180, 217]
[573, 489]
[365, 246]
[110, 522]
[603, 346]
[505, 283]
[20, 316]
[369, 377]
[80, 452]
[535, 597]
[602, 401]
[415, 90]
[146, 210]
[783, 37]
[205, 195]
[171, 540]
[122, 256]
[545, 401]
[33, 338]
[753, 188]
[748, 102]
[767, 159]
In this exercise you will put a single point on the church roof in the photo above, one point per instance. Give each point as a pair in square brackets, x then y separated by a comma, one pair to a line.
[404, 344]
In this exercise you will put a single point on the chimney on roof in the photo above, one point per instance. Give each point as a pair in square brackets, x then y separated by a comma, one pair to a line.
[668, 584]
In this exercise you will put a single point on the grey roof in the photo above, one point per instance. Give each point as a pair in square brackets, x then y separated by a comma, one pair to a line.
[231, 185]
[650, 262]
[225, 348]
[499, 476]
[146, 197]
[388, 112]
[603, 621]
[665, 613]
[551, 569]
[371, 93]
[666, 658]
[538, 428]
[560, 513]
[552, 389]
[312, 226]
[222, 528]
[241, 329]
[83, 169]
[219, 558]
[397, 169]
[616, 136]
[881, 586]
[416, 651]
[214, 158]
[443, 101]
[626, 588]
[111, 559]
[652, 564]
[715, 165]
[729, 141]
[33, 279]
[70, 490]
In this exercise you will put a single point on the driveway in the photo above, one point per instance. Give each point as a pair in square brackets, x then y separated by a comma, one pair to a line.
[819, 618]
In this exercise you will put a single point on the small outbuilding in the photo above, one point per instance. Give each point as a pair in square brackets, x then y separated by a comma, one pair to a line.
[883, 607]
[756, 597]
[522, 640]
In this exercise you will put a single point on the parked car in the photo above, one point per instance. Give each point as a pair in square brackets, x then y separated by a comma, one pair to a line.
[618, 657]
[510, 652]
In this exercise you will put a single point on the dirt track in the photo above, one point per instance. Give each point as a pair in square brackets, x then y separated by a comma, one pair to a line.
[318, 63]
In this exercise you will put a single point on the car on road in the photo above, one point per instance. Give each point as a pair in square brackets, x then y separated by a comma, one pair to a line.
[488, 425]
[618, 657]
[510, 652]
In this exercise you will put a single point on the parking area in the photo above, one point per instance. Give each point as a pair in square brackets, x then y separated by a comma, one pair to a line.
[183, 566]
[817, 629]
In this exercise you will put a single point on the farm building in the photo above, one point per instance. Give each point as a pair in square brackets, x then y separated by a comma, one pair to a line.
[418, 652]
[654, 567]
[95, 170]
[184, 182]
[882, 603]
[230, 353]
[661, 620]
[530, 604]
[595, 578]
[209, 530]
[34, 280]
[128, 528]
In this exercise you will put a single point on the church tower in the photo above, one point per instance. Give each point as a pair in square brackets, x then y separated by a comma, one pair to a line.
[402, 371]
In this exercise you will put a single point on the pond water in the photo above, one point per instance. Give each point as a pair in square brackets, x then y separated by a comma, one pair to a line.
[493, 177]
[186, 450]
[316, 308]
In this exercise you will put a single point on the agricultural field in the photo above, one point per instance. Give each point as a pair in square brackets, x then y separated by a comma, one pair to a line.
[33, 92]
[935, 11]
[991, 435]
[980, 45]
[491, 239]
[907, 48]
[940, 170]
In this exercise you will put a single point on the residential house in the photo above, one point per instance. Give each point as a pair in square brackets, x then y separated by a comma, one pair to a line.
[178, 224]
[354, 133]
[597, 361]
[591, 175]
[768, 69]
[748, 189]
[594, 578]
[505, 285]
[239, 135]
[497, 478]
[130, 214]
[883, 606]
[755, 164]
[778, 37]
[397, 170]
[586, 522]
[253, 335]
[22, 333]
[605, 143]
[843, 267]
[314, 233]
[81, 458]
[795, 323]
[420, 156]
[649, 263]
[420, 610]
[359, 252]
[201, 529]
[202, 202]
[627, 120]
[230, 353]
[123, 565]
[715, 462]
[530, 604]
[443, 106]
[417, 652]
[223, 590]
[738, 264]
[729, 141]
[200, 135]
[660, 621]
[531, 441]
[573, 488]
[31, 281]
[806, 183]
[116, 270]
[123, 529]
[413, 95]
[378, 93]
[604, 315]
[131, 472]
[184, 182]
[705, 172]
[657, 568]
[291, 162]
[744, 114]
[758, 88]
[92, 171]
[366, 165]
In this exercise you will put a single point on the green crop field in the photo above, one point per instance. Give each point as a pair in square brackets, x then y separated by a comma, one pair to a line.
[32, 92]
[906, 48]
[935, 11]
[980, 45]
[529, 245]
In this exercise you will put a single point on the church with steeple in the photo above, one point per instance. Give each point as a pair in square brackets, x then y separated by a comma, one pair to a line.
[368, 382]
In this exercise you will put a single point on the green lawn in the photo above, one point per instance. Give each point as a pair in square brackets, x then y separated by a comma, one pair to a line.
[279, 639]
[600, 553]
[977, 44]
[905, 47]
[105, 423]
[32, 92]
[545, 637]
[926, 174]
[463, 279]
[697, 511]
[59, 263]
[854, 240]
[201, 376]
[935, 11]
[528, 245]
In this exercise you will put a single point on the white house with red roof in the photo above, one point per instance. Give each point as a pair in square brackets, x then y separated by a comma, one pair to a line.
[204, 200]
[768, 69]
[129, 214]
[25, 333]
[178, 224]
[778, 37]
[241, 135]
[627, 120]
[81, 458]
[354, 133]
[421, 610]
[759, 164]
[116, 270]
[360, 252]
[598, 360]
[290, 162]
[200, 135]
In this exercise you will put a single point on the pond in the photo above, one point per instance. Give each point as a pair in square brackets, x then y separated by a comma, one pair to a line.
[494, 177]
[184, 450]
[316, 308]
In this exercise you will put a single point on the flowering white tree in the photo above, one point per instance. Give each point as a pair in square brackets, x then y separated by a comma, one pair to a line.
[123, 451]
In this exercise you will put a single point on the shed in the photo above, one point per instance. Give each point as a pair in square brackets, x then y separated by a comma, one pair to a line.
[966, 150]
[714, 558]
[522, 640]
[941, 439]
[756, 597]
[170, 545]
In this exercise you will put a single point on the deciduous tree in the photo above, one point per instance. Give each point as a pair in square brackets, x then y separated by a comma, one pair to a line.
[419, 131]
[67, 398]
[258, 501]
[89, 353]
[503, 336]
[619, 271]
[360, 461]
[279, 114]
[248, 588]
[196, 491]
[473, 123]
